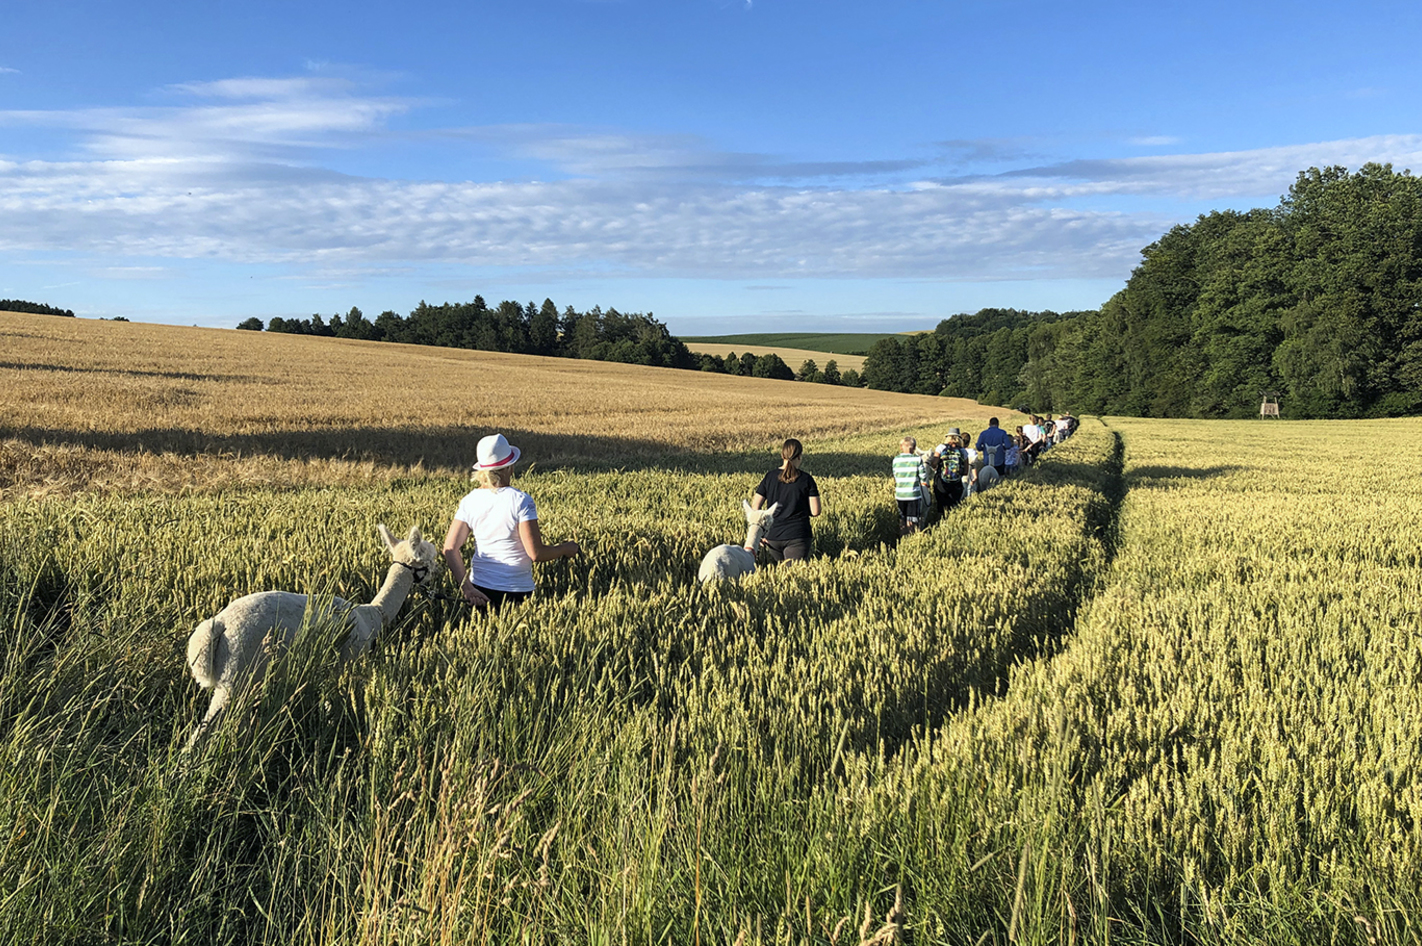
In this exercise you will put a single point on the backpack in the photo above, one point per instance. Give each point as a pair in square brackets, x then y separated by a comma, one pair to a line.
[955, 465]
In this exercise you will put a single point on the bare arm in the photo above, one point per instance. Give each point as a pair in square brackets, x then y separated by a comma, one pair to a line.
[531, 535]
[814, 505]
[757, 501]
[454, 541]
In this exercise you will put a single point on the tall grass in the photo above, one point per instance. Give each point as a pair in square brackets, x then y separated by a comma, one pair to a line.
[1081, 709]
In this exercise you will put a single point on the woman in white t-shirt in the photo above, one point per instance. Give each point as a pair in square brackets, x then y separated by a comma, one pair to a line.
[504, 524]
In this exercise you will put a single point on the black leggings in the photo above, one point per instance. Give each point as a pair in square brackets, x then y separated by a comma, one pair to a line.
[794, 550]
[947, 495]
[498, 598]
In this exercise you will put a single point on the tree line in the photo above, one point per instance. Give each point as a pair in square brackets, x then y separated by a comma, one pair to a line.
[770, 365]
[531, 329]
[37, 308]
[630, 338]
[1318, 299]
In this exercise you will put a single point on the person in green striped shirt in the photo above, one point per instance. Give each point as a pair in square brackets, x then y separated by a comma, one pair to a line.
[910, 475]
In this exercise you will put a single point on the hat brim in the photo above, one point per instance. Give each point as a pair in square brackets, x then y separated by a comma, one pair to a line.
[510, 460]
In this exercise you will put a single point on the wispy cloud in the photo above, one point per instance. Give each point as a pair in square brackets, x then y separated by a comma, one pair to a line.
[978, 151]
[1224, 174]
[231, 170]
[1153, 141]
[599, 153]
[7, 70]
[231, 119]
[157, 209]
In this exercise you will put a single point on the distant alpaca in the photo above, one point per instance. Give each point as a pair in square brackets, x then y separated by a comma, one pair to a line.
[728, 561]
[231, 650]
[988, 477]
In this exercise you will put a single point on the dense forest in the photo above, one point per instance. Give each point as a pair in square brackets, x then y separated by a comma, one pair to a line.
[35, 308]
[1318, 299]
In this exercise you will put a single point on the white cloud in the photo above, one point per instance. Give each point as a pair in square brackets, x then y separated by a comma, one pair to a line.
[243, 118]
[153, 209]
[1220, 175]
[6, 70]
[231, 172]
[1154, 141]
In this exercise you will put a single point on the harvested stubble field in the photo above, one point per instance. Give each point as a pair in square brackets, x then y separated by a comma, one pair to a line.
[1162, 689]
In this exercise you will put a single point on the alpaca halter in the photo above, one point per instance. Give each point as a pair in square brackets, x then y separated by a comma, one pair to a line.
[420, 572]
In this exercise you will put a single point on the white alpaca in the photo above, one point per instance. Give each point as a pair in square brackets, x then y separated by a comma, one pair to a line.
[231, 650]
[729, 561]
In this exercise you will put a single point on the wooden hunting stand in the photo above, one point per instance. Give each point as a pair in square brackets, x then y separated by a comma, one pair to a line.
[1270, 407]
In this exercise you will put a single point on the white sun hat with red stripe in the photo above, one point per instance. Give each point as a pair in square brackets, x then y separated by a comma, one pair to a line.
[495, 453]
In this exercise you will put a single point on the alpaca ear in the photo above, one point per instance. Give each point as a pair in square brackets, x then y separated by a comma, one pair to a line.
[774, 508]
[385, 534]
[415, 537]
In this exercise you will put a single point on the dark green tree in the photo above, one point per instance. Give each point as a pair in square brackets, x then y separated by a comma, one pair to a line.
[543, 330]
[771, 365]
[886, 367]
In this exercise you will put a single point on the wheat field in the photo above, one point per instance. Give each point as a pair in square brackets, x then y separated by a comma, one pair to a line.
[1163, 688]
[88, 404]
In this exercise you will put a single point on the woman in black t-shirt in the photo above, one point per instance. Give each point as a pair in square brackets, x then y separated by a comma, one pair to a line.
[789, 536]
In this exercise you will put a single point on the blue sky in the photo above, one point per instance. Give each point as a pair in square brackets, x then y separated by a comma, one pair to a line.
[730, 166]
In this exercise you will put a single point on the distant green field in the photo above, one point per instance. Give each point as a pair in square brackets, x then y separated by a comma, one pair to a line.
[840, 343]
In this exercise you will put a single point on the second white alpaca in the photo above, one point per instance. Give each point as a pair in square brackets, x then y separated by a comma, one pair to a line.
[230, 650]
[729, 561]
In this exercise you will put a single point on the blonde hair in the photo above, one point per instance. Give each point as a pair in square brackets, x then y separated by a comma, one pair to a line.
[494, 479]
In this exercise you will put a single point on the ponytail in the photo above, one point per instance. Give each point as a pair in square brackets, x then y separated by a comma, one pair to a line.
[790, 460]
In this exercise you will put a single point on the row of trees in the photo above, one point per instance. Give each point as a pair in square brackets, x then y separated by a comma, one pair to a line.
[543, 330]
[980, 356]
[1318, 298]
[37, 308]
[509, 327]
[771, 365]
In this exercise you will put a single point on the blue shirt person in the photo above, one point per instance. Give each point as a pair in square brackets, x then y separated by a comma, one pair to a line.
[992, 444]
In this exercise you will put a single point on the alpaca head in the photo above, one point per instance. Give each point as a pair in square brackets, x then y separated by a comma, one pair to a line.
[414, 552]
[760, 517]
[759, 520]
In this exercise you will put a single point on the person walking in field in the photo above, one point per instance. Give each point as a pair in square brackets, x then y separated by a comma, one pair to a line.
[952, 469]
[1014, 453]
[992, 444]
[910, 480]
[504, 524]
[789, 538]
[970, 474]
[1035, 436]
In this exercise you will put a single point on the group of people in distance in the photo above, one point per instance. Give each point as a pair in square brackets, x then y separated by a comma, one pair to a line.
[956, 469]
[503, 521]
